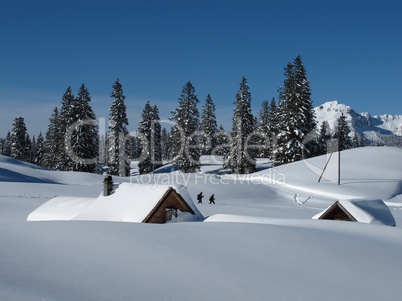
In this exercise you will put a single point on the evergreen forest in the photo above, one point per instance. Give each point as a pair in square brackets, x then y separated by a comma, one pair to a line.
[284, 131]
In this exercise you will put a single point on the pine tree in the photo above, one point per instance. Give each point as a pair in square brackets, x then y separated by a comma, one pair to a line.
[84, 137]
[2, 145]
[208, 127]
[240, 159]
[18, 139]
[50, 146]
[342, 133]
[289, 146]
[174, 142]
[118, 133]
[29, 148]
[150, 139]
[39, 150]
[103, 154]
[273, 120]
[296, 116]
[157, 136]
[7, 145]
[272, 115]
[165, 144]
[186, 115]
[323, 139]
[355, 140]
[137, 147]
[362, 141]
[264, 131]
[61, 139]
[222, 142]
[303, 93]
[134, 148]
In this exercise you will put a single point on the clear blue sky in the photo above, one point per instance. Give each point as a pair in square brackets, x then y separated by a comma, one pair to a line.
[351, 50]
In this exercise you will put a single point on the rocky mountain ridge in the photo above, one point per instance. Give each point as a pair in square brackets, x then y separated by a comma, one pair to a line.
[376, 129]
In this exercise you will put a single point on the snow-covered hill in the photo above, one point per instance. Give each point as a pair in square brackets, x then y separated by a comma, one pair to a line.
[377, 129]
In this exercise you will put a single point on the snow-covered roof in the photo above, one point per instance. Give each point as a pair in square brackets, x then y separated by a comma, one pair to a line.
[365, 211]
[60, 209]
[129, 203]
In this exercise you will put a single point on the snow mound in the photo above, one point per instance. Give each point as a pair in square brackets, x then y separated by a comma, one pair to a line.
[60, 209]
[12, 170]
[368, 172]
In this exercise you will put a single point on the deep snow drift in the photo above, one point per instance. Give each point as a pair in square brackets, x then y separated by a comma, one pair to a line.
[257, 243]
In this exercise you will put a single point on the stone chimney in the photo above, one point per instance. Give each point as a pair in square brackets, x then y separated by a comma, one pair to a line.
[107, 185]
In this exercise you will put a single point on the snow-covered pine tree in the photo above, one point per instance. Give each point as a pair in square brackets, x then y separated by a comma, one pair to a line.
[362, 141]
[274, 121]
[208, 127]
[289, 145]
[145, 164]
[296, 115]
[323, 139]
[240, 159]
[137, 147]
[28, 148]
[50, 146]
[66, 119]
[30, 145]
[84, 134]
[303, 93]
[2, 146]
[7, 145]
[358, 140]
[103, 154]
[186, 115]
[222, 142]
[118, 133]
[165, 144]
[18, 139]
[39, 150]
[131, 147]
[264, 131]
[150, 139]
[174, 142]
[156, 138]
[134, 147]
[307, 114]
[272, 112]
[355, 140]
[342, 133]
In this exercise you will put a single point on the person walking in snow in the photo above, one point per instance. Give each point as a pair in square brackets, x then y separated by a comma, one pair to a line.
[199, 197]
[212, 199]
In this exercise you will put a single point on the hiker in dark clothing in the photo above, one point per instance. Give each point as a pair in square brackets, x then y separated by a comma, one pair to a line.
[212, 199]
[199, 197]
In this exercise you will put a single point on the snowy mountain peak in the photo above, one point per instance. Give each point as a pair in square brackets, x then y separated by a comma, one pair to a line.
[384, 129]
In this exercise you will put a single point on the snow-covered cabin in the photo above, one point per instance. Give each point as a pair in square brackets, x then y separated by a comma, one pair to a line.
[142, 203]
[362, 211]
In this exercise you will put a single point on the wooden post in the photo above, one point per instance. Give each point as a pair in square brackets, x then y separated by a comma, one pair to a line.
[326, 164]
[339, 161]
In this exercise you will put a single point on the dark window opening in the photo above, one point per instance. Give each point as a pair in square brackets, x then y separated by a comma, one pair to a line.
[170, 212]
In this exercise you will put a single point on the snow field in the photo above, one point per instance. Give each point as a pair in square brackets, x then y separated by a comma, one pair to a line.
[257, 243]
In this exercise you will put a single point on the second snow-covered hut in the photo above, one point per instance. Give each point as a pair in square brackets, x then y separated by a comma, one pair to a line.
[362, 211]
